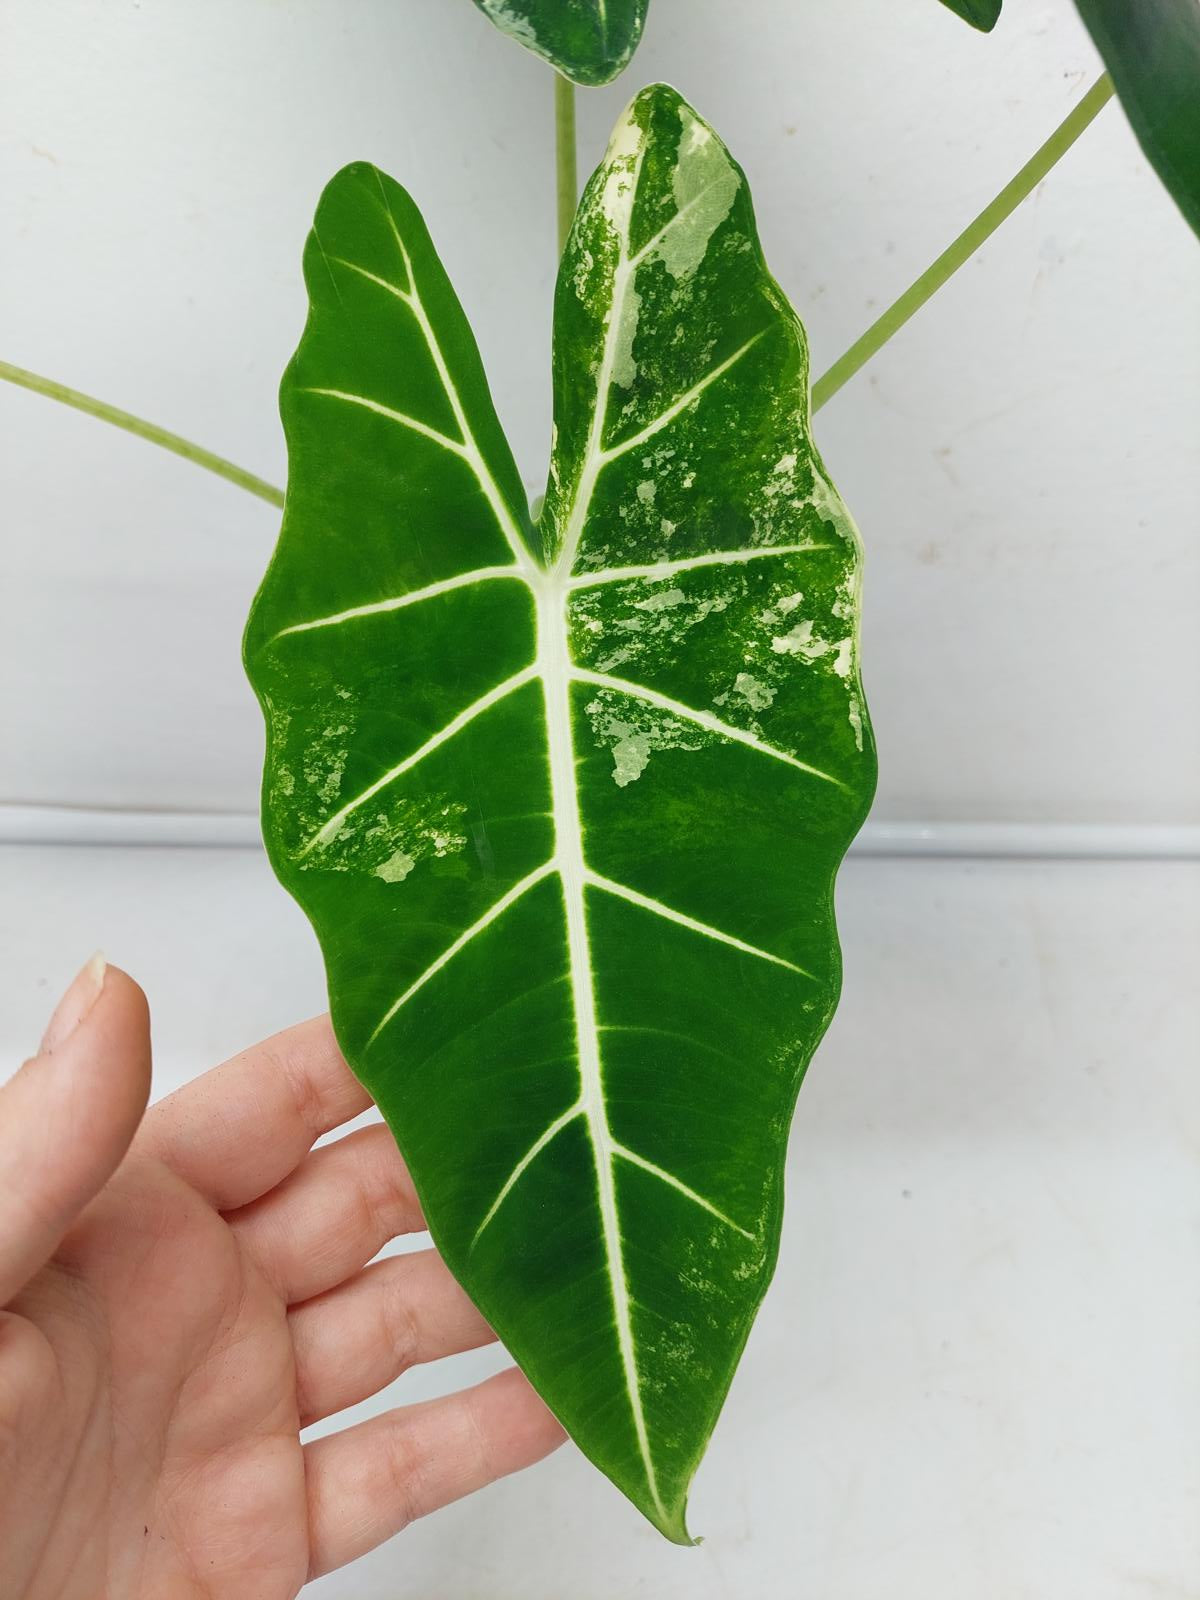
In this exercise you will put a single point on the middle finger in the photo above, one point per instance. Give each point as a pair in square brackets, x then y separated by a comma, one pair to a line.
[336, 1210]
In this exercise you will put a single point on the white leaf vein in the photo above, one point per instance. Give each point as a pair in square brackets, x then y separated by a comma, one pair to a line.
[667, 416]
[497, 909]
[472, 452]
[402, 417]
[619, 1151]
[531, 1155]
[464, 580]
[329, 830]
[372, 277]
[654, 570]
[626, 1154]
[648, 903]
[702, 719]
[651, 572]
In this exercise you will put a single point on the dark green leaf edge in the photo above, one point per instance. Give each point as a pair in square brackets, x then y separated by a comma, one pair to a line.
[1152, 50]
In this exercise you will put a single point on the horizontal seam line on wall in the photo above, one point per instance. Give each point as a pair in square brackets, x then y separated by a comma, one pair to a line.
[72, 825]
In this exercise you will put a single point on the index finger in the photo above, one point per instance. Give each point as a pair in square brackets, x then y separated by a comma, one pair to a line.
[236, 1132]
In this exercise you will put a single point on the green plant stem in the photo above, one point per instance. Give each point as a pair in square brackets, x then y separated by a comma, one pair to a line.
[965, 246]
[564, 150]
[144, 430]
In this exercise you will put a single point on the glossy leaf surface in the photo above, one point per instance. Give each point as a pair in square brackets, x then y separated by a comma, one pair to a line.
[565, 802]
[1152, 50]
[589, 41]
[981, 14]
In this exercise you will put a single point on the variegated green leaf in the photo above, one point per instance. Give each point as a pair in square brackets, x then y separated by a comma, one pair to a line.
[1152, 50]
[589, 41]
[565, 803]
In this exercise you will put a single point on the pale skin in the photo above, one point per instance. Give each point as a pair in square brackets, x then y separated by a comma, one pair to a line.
[183, 1290]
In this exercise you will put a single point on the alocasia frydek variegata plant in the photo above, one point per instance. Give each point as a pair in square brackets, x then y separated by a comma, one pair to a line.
[565, 800]
[564, 797]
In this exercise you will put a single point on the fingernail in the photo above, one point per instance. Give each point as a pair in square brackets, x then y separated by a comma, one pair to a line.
[76, 1003]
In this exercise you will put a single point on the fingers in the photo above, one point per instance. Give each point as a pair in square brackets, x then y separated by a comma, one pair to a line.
[35, 1449]
[68, 1116]
[353, 1341]
[240, 1129]
[368, 1482]
[331, 1215]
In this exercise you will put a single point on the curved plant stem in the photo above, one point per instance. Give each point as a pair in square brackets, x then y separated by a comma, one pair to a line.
[144, 430]
[965, 246]
[564, 149]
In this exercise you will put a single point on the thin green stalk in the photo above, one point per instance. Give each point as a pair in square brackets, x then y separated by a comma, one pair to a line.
[965, 246]
[144, 430]
[564, 149]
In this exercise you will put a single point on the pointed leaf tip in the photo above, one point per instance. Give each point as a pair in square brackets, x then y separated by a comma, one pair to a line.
[981, 14]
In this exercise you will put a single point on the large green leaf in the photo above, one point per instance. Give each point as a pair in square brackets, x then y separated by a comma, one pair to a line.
[590, 41]
[1152, 50]
[565, 803]
[981, 14]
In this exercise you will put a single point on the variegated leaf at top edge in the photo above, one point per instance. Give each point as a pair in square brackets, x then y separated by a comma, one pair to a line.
[981, 14]
[1152, 50]
[567, 825]
[589, 41]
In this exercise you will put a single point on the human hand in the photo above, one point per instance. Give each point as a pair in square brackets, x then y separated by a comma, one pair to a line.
[182, 1290]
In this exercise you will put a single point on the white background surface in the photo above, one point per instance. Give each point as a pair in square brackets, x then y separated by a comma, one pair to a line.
[977, 1374]
[1022, 460]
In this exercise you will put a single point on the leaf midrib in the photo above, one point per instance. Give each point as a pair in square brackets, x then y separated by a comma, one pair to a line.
[552, 665]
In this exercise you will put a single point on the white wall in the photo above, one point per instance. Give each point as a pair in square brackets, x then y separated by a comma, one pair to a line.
[1022, 459]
